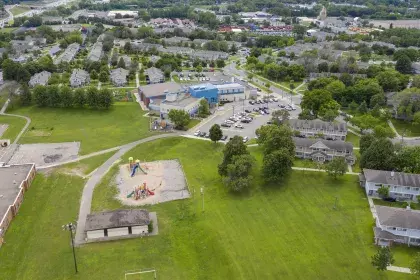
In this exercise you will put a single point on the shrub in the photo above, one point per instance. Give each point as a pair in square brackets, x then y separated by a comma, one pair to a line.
[150, 227]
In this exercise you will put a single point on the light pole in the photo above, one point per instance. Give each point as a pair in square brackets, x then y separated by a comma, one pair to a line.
[202, 196]
[72, 227]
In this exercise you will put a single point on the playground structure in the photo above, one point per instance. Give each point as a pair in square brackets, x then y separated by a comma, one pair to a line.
[163, 181]
[135, 166]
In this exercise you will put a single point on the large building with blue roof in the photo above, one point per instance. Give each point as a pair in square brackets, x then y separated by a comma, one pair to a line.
[218, 93]
[208, 91]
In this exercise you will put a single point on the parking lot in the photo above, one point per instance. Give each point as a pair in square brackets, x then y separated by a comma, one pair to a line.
[237, 115]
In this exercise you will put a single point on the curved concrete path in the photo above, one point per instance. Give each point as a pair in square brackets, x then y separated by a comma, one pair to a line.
[86, 201]
[28, 120]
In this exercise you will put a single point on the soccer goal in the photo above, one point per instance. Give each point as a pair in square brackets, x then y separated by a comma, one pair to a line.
[143, 274]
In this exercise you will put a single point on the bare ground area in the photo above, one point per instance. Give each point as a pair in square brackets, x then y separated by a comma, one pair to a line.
[164, 178]
[45, 154]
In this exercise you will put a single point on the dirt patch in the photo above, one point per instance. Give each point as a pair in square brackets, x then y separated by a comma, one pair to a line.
[165, 179]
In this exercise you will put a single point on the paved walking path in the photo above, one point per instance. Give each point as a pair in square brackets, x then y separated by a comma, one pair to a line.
[399, 269]
[86, 201]
[319, 170]
[28, 120]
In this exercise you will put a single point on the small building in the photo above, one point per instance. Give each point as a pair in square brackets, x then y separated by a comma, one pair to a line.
[117, 223]
[79, 78]
[396, 225]
[402, 186]
[179, 101]
[231, 92]
[96, 52]
[152, 95]
[208, 91]
[40, 79]
[119, 77]
[154, 75]
[323, 150]
[15, 181]
[319, 129]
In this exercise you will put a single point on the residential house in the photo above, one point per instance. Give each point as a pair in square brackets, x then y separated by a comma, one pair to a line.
[209, 55]
[176, 40]
[119, 77]
[319, 129]
[69, 54]
[154, 75]
[396, 225]
[144, 47]
[177, 50]
[54, 50]
[96, 52]
[127, 60]
[323, 150]
[79, 78]
[29, 43]
[402, 186]
[40, 79]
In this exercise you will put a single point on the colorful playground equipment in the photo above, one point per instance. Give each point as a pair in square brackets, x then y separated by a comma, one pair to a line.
[135, 166]
[140, 192]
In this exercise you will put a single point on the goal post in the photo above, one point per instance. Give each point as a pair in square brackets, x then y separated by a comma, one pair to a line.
[142, 271]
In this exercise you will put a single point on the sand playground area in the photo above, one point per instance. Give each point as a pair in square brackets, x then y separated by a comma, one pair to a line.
[164, 181]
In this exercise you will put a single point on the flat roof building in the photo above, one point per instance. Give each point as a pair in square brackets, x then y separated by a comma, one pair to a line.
[117, 223]
[15, 181]
[207, 91]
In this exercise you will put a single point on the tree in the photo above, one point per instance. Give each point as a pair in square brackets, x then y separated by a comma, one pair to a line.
[238, 172]
[379, 156]
[92, 97]
[403, 65]
[383, 258]
[353, 106]
[216, 133]
[66, 96]
[318, 102]
[94, 74]
[53, 95]
[365, 122]
[220, 63]
[25, 96]
[383, 191]
[362, 109]
[105, 99]
[415, 265]
[79, 98]
[276, 165]
[365, 142]
[121, 63]
[103, 76]
[336, 167]
[280, 116]
[273, 137]
[127, 47]
[380, 131]
[234, 147]
[203, 109]
[179, 118]
[416, 118]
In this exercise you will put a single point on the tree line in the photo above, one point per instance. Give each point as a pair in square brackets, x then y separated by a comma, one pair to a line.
[66, 97]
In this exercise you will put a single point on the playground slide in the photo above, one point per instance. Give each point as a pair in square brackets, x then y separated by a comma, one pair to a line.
[150, 192]
[134, 170]
[142, 170]
[130, 194]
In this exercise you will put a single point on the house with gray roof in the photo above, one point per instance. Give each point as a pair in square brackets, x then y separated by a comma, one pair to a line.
[119, 77]
[402, 186]
[396, 225]
[127, 60]
[320, 129]
[177, 50]
[79, 78]
[320, 150]
[68, 55]
[40, 79]
[209, 55]
[96, 52]
[144, 47]
[176, 40]
[154, 75]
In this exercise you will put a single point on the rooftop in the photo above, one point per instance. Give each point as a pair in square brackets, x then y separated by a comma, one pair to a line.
[155, 90]
[392, 178]
[317, 124]
[323, 144]
[229, 86]
[203, 87]
[398, 217]
[116, 219]
[11, 178]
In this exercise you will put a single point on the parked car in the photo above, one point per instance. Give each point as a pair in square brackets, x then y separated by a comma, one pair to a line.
[203, 134]
[197, 133]
[245, 139]
[248, 111]
[226, 125]
[251, 102]
[238, 125]
[224, 137]
[281, 105]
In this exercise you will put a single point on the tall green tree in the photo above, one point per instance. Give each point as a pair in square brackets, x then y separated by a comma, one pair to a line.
[79, 98]
[235, 147]
[380, 155]
[66, 96]
[104, 76]
[105, 99]
[54, 98]
[238, 171]
[92, 97]
[216, 133]
[203, 109]
[383, 258]
[25, 96]
[277, 165]
[179, 118]
[403, 65]
[336, 167]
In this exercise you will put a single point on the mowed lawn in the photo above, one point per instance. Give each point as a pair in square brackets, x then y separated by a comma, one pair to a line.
[16, 124]
[407, 128]
[17, 10]
[287, 231]
[95, 129]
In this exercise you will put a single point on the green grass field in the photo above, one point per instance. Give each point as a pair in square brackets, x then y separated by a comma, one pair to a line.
[85, 166]
[95, 129]
[15, 126]
[17, 10]
[406, 128]
[286, 231]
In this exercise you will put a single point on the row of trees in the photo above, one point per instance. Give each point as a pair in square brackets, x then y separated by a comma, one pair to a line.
[275, 71]
[65, 97]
